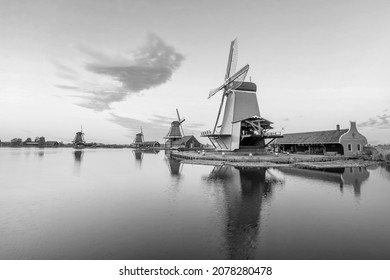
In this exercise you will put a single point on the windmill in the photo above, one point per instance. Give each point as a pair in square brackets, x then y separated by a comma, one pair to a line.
[139, 139]
[78, 141]
[241, 127]
[175, 131]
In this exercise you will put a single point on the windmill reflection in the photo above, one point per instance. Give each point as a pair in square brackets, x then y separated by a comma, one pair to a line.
[243, 192]
[174, 165]
[139, 155]
[342, 177]
[40, 153]
[78, 157]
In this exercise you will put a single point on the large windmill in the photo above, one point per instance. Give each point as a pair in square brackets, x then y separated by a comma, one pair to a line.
[242, 128]
[175, 131]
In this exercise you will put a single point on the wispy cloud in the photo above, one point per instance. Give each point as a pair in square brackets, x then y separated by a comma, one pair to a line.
[381, 121]
[67, 87]
[112, 77]
[153, 130]
[156, 128]
[100, 100]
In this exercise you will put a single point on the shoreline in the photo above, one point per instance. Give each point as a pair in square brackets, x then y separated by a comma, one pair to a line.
[303, 161]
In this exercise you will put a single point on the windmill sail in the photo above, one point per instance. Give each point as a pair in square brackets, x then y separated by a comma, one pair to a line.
[231, 75]
[232, 61]
[178, 117]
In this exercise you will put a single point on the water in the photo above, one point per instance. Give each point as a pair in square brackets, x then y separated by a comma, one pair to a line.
[119, 204]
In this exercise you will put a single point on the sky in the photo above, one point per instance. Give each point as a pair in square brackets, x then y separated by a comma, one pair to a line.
[115, 66]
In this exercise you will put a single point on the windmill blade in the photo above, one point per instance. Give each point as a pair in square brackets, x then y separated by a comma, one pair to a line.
[232, 60]
[239, 74]
[180, 122]
[215, 90]
[178, 116]
[238, 81]
[141, 130]
[219, 113]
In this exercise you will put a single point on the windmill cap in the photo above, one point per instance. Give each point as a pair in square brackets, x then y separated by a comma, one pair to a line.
[246, 86]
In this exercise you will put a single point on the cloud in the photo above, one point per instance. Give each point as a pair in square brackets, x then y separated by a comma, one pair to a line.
[381, 122]
[112, 77]
[152, 65]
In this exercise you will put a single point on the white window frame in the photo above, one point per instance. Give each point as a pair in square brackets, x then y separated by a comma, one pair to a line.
[359, 147]
[349, 147]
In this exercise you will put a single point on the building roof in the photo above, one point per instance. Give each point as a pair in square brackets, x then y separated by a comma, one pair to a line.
[183, 140]
[314, 137]
[150, 142]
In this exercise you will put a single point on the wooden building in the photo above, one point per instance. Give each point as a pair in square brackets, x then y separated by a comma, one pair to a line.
[149, 144]
[338, 141]
[186, 142]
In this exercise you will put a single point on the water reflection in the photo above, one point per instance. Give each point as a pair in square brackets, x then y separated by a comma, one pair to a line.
[139, 155]
[349, 176]
[78, 157]
[243, 191]
[40, 153]
[385, 171]
[175, 166]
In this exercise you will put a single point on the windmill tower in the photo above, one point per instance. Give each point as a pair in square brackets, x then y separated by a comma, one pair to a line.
[175, 131]
[242, 128]
[139, 139]
[78, 141]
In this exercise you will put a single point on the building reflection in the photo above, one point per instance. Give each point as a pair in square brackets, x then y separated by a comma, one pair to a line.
[342, 177]
[244, 190]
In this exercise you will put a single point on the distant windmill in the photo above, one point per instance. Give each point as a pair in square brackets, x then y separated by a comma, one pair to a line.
[139, 139]
[175, 131]
[242, 127]
[78, 141]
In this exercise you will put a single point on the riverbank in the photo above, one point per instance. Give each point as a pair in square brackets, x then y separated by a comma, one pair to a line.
[273, 160]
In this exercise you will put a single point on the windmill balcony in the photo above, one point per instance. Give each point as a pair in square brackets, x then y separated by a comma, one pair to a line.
[205, 133]
[274, 134]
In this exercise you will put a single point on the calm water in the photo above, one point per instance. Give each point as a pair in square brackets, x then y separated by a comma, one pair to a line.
[118, 204]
